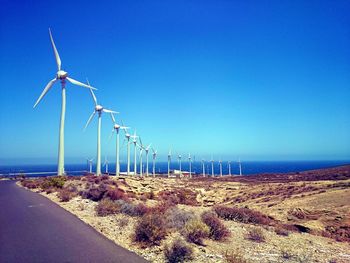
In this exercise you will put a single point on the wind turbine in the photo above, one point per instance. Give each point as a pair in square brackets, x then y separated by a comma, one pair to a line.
[99, 109]
[116, 128]
[147, 150]
[220, 165]
[105, 164]
[127, 137]
[140, 145]
[169, 160]
[179, 157]
[134, 137]
[190, 164]
[154, 155]
[240, 166]
[212, 166]
[229, 168]
[203, 167]
[90, 163]
[62, 76]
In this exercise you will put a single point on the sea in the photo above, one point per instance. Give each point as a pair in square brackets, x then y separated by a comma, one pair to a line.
[248, 167]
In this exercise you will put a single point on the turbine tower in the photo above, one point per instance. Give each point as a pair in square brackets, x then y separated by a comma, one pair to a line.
[220, 165]
[190, 164]
[140, 145]
[134, 137]
[116, 128]
[90, 163]
[179, 157]
[99, 109]
[203, 167]
[169, 160]
[105, 164]
[62, 76]
[212, 166]
[127, 138]
[147, 150]
[240, 166]
[154, 155]
[229, 168]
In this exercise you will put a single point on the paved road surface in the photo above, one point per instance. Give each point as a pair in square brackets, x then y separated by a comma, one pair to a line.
[34, 229]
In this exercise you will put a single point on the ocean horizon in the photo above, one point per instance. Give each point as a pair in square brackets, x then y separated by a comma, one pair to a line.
[248, 167]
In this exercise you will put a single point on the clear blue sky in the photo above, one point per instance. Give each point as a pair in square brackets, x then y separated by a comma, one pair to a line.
[263, 80]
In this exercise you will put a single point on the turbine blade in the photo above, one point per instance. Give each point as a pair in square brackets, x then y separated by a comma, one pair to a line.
[89, 120]
[47, 88]
[113, 119]
[110, 136]
[57, 56]
[75, 82]
[110, 111]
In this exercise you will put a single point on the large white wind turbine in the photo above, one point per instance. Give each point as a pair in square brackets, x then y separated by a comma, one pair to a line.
[116, 128]
[62, 76]
[154, 155]
[147, 150]
[169, 160]
[99, 109]
[134, 137]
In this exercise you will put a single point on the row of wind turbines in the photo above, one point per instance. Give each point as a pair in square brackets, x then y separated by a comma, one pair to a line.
[98, 110]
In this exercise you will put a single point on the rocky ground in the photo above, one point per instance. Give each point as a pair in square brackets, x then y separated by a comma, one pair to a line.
[315, 206]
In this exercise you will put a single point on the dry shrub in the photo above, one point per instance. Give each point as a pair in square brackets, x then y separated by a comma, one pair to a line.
[31, 183]
[150, 230]
[53, 181]
[132, 209]
[116, 194]
[106, 207]
[95, 193]
[178, 251]
[279, 230]
[218, 231]
[255, 234]
[339, 233]
[122, 222]
[65, 195]
[179, 196]
[177, 218]
[195, 230]
[243, 215]
[235, 256]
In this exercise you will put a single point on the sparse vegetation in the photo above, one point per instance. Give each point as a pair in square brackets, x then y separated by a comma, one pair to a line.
[106, 207]
[195, 230]
[177, 218]
[234, 256]
[65, 194]
[255, 234]
[178, 251]
[218, 231]
[150, 230]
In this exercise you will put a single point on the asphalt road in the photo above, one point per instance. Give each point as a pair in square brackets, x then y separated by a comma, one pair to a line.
[34, 229]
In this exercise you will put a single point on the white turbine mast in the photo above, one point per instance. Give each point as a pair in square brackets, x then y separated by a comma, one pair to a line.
[147, 150]
[203, 167]
[116, 128]
[90, 163]
[140, 145]
[179, 158]
[229, 168]
[169, 161]
[220, 166]
[154, 155]
[99, 109]
[62, 76]
[105, 164]
[240, 166]
[212, 166]
[190, 164]
[134, 140]
[127, 138]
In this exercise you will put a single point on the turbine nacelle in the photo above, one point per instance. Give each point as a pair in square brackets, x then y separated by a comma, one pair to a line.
[98, 108]
[61, 74]
[116, 126]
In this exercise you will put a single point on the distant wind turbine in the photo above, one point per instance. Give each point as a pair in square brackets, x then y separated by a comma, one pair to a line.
[140, 145]
[116, 128]
[190, 164]
[147, 150]
[99, 109]
[179, 157]
[240, 167]
[212, 166]
[229, 168]
[127, 138]
[169, 160]
[90, 163]
[154, 155]
[220, 166]
[203, 167]
[134, 137]
[62, 76]
[105, 164]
